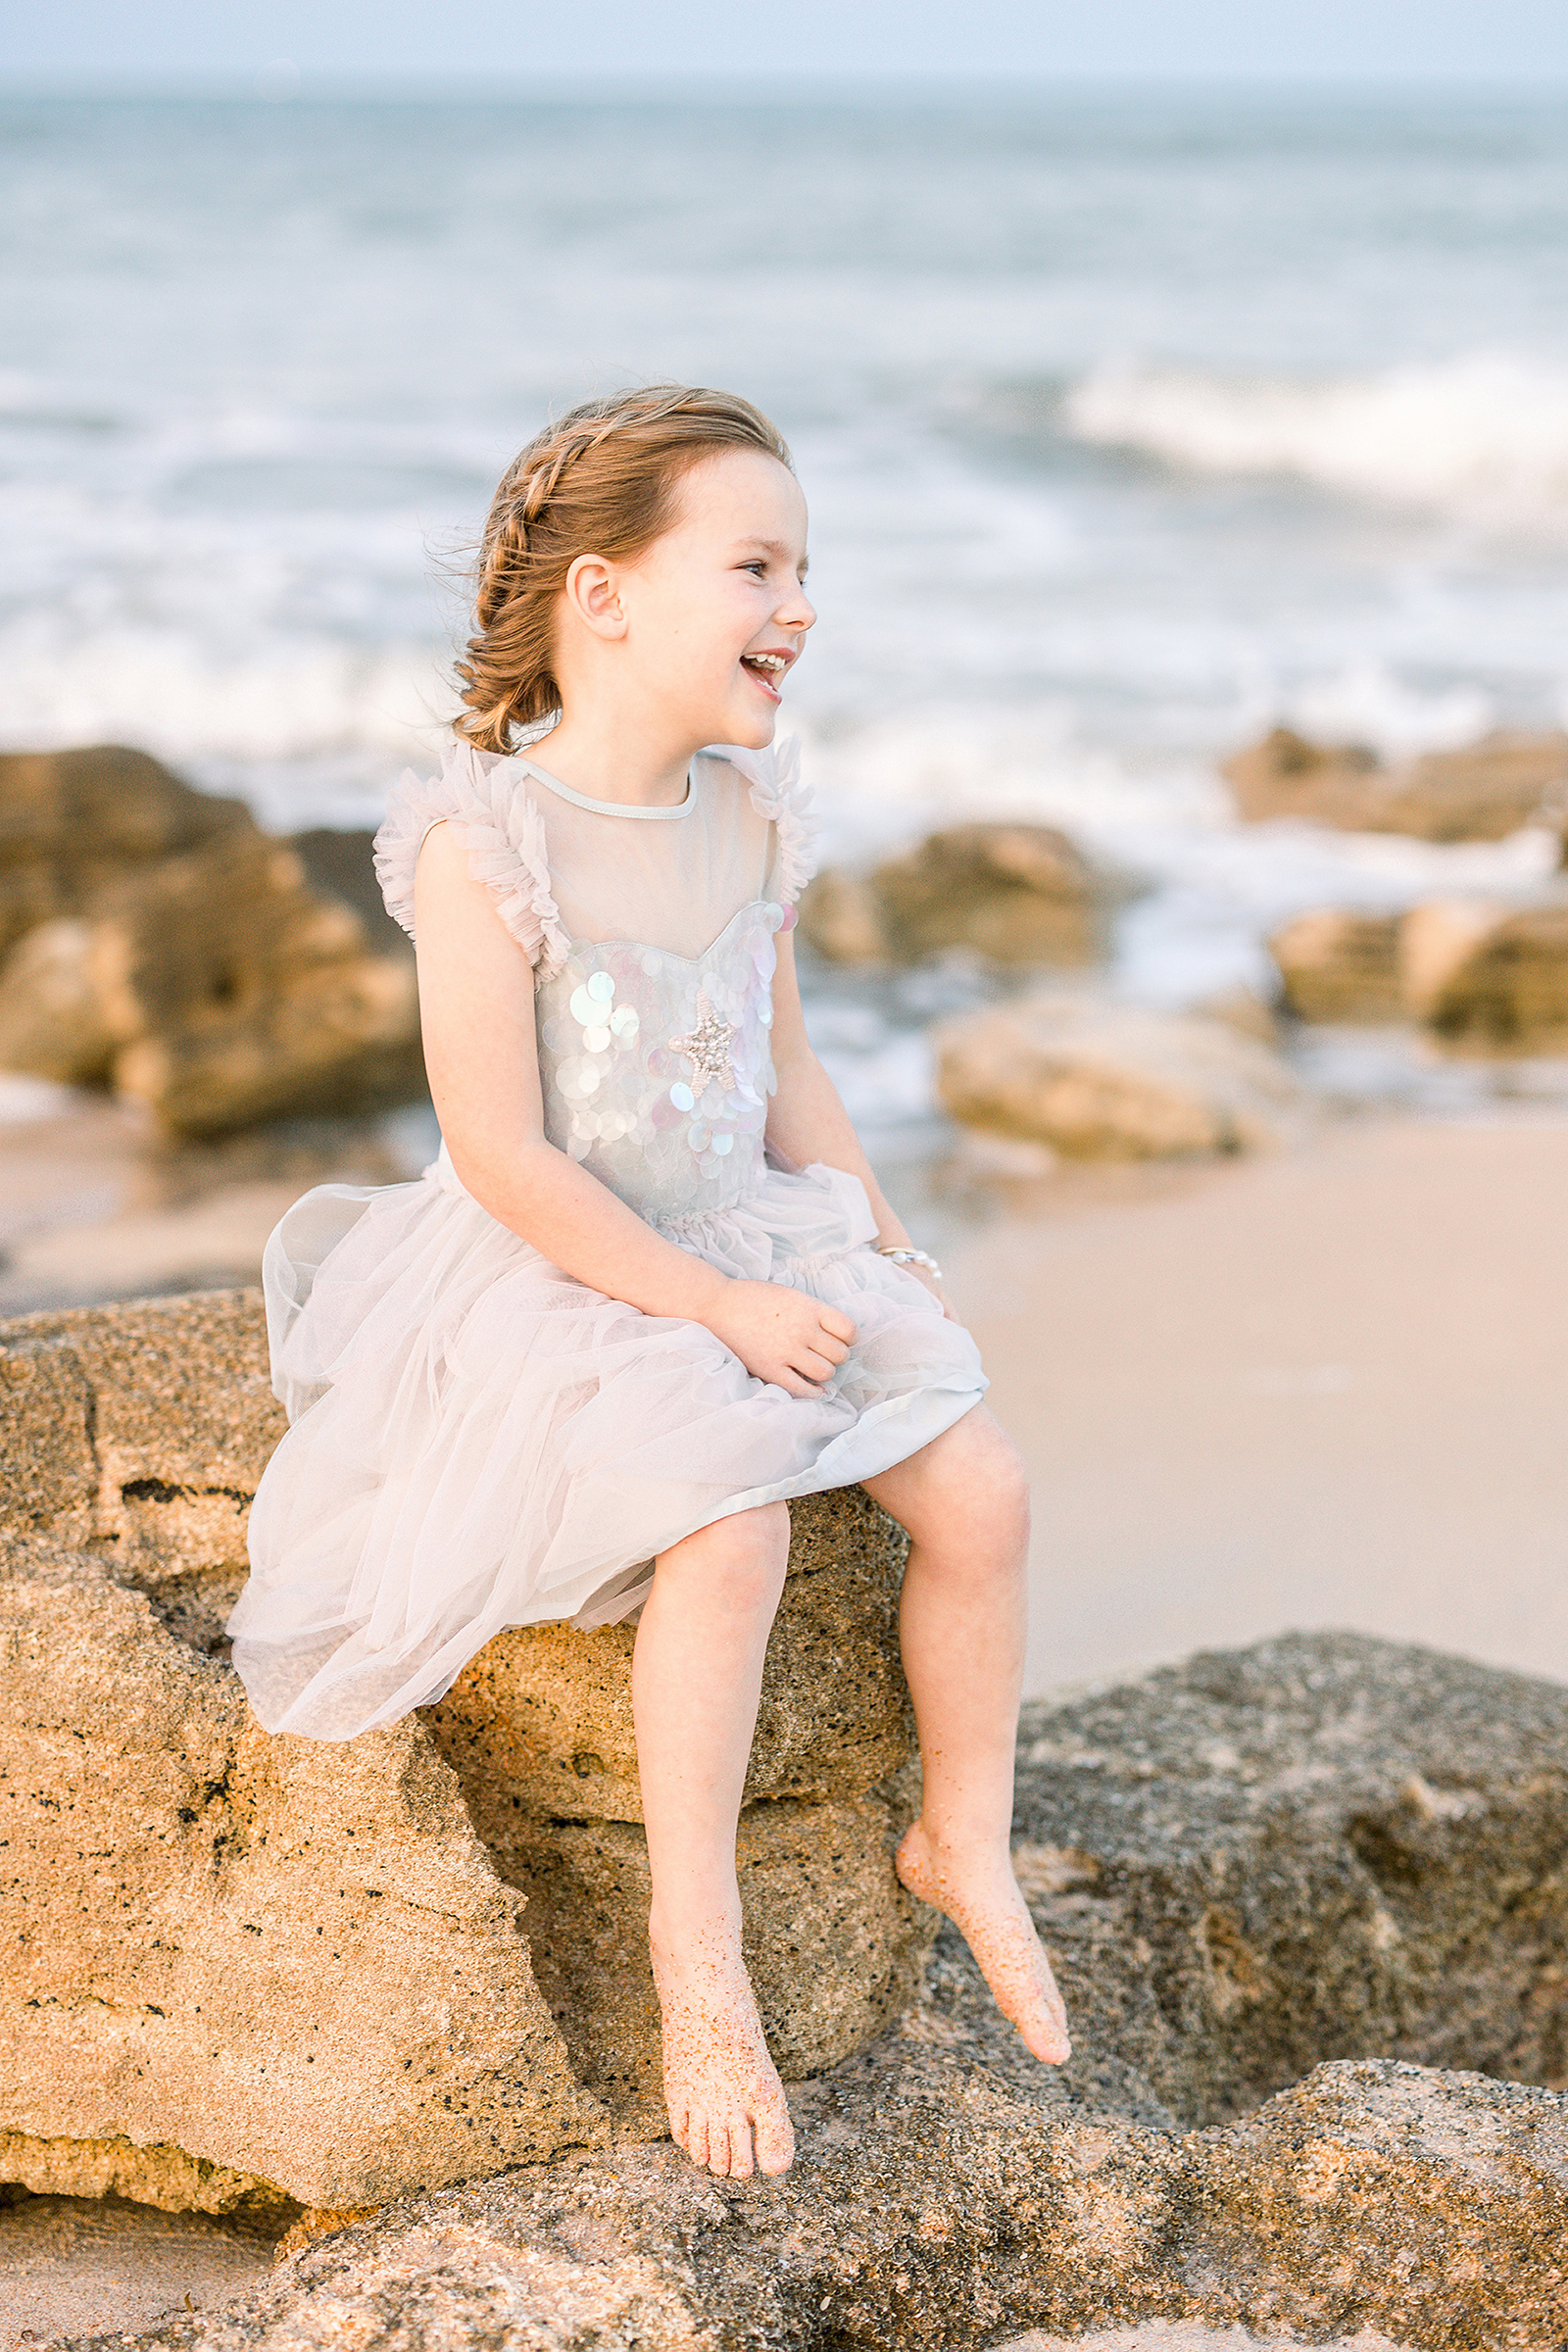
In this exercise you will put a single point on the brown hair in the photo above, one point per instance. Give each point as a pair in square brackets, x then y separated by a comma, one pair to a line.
[602, 481]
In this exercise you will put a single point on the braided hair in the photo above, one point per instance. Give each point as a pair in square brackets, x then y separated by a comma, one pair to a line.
[602, 481]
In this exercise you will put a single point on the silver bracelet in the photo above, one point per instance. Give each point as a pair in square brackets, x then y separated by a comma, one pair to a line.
[902, 1255]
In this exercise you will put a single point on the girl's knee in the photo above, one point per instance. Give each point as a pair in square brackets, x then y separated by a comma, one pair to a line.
[761, 1551]
[975, 1480]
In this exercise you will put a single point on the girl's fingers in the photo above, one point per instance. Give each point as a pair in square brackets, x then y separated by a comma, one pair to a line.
[838, 1324]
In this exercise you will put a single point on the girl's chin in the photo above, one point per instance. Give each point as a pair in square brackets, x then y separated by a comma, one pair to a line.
[753, 730]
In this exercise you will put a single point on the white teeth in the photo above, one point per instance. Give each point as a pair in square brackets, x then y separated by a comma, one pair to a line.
[767, 660]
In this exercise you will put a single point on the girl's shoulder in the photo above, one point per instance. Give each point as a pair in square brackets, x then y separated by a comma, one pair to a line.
[482, 795]
[778, 793]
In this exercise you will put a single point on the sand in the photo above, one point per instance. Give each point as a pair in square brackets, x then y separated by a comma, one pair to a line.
[74, 2265]
[1323, 1389]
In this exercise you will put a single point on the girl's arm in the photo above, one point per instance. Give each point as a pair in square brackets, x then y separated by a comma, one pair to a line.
[482, 1057]
[808, 1121]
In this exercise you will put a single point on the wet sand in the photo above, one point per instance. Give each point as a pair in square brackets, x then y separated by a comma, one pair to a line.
[1323, 1389]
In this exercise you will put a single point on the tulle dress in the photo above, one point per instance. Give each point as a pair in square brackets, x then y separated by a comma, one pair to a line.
[476, 1439]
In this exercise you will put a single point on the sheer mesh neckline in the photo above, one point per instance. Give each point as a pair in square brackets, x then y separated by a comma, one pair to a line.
[580, 799]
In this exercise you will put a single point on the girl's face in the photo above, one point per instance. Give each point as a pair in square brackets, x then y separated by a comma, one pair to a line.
[714, 612]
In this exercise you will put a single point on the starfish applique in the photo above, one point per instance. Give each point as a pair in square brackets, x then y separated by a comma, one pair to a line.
[707, 1047]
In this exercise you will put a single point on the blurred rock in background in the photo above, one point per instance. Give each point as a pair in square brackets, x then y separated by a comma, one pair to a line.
[1484, 975]
[163, 947]
[1096, 1081]
[1016, 893]
[1481, 793]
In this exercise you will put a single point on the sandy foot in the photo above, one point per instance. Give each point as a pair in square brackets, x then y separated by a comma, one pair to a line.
[726, 2103]
[981, 1897]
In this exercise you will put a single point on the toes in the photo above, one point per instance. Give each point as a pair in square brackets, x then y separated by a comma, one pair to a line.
[741, 2165]
[718, 2149]
[775, 2139]
[696, 2139]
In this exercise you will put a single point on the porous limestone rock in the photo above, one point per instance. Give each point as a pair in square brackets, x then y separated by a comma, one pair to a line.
[1017, 894]
[72, 821]
[291, 1961]
[1336, 964]
[1481, 793]
[1508, 991]
[301, 1969]
[540, 1723]
[1483, 974]
[218, 988]
[840, 916]
[1112, 1082]
[831, 1940]
[1297, 1895]
[339, 863]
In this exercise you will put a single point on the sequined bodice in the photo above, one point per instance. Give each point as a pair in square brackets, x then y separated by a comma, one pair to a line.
[656, 1068]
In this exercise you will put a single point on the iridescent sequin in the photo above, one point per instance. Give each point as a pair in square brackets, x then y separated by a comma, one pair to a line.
[656, 1068]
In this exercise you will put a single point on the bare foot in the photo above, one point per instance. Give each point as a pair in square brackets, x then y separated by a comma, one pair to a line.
[726, 2103]
[978, 1892]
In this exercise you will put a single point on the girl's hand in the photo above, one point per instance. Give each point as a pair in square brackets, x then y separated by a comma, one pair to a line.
[782, 1335]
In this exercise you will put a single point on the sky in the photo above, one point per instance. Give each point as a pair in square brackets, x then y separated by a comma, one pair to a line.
[278, 46]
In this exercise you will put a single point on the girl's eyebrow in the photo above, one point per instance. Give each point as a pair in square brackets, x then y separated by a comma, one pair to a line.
[776, 547]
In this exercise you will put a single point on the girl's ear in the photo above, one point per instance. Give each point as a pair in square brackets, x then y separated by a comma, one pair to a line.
[593, 597]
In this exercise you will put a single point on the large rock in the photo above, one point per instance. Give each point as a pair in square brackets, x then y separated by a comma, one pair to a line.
[1298, 1896]
[72, 821]
[540, 1723]
[1487, 790]
[244, 1968]
[1483, 974]
[1019, 894]
[1336, 964]
[219, 989]
[1508, 992]
[1112, 1082]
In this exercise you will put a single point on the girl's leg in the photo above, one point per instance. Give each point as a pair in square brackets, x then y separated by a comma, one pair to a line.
[695, 1675]
[965, 1503]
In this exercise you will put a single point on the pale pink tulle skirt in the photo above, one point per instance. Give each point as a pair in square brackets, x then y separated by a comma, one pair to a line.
[480, 1441]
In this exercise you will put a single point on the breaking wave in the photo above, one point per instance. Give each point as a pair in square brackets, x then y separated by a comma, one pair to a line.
[1482, 434]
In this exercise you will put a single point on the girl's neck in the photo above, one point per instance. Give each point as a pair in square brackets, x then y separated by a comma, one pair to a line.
[607, 763]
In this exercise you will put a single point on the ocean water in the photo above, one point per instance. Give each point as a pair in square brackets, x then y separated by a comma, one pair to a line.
[1129, 424]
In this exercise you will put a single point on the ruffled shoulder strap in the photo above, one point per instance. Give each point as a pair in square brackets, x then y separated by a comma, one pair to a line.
[778, 794]
[481, 793]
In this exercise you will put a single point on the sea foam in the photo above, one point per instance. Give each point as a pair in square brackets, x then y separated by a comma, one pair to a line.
[1476, 433]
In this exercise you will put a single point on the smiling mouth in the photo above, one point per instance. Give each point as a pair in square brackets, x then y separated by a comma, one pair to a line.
[767, 670]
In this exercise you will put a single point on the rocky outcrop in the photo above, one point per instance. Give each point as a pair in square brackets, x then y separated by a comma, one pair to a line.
[1508, 991]
[1339, 965]
[1298, 1896]
[1481, 973]
[1015, 893]
[71, 822]
[245, 1968]
[213, 978]
[1487, 790]
[1112, 1082]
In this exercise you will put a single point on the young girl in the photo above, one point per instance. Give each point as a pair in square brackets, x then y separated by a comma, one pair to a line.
[650, 1289]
